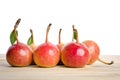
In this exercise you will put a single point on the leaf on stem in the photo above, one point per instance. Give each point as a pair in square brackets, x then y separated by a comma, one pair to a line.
[75, 35]
[12, 36]
[30, 40]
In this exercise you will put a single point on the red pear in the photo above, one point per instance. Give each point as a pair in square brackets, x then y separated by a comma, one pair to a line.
[47, 54]
[75, 54]
[18, 54]
[60, 45]
[94, 51]
[31, 42]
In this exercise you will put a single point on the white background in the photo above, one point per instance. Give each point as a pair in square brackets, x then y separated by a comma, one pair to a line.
[97, 20]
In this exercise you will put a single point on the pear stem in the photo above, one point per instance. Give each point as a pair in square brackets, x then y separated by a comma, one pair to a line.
[47, 31]
[31, 31]
[105, 62]
[75, 34]
[60, 36]
[15, 27]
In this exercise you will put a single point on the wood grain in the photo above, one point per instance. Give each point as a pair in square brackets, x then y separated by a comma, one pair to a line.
[97, 71]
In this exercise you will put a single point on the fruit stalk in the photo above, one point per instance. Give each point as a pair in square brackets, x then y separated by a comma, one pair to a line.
[48, 28]
[108, 63]
[59, 41]
[15, 27]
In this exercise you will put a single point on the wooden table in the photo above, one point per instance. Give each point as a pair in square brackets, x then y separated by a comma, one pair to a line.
[97, 71]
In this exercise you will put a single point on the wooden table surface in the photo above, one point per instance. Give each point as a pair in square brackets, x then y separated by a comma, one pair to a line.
[97, 71]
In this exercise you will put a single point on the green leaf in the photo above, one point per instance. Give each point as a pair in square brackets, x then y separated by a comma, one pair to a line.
[12, 37]
[30, 40]
[75, 35]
